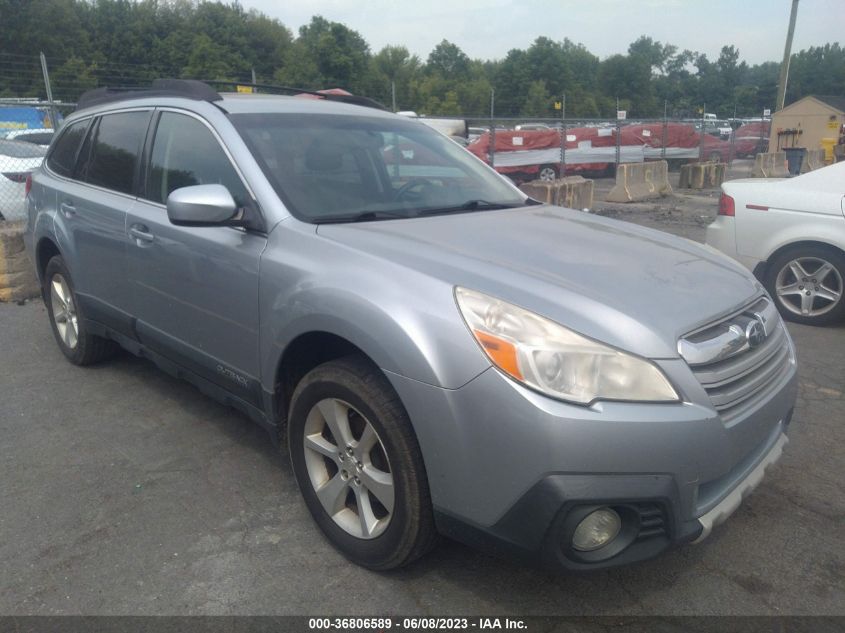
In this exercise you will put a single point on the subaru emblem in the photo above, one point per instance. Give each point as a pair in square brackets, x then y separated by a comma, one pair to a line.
[755, 333]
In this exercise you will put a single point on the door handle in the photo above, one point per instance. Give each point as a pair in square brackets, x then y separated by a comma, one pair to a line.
[67, 209]
[141, 233]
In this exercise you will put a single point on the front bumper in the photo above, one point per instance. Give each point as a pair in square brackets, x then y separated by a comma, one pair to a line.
[508, 466]
[727, 506]
[538, 527]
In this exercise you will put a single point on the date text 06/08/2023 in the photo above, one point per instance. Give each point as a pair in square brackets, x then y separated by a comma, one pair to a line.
[422, 624]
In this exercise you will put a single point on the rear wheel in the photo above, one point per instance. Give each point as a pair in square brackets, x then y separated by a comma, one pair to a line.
[808, 284]
[358, 464]
[79, 346]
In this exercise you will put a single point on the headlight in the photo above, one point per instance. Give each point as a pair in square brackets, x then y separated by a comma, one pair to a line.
[555, 360]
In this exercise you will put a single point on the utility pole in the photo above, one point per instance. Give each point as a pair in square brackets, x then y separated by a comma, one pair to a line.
[393, 94]
[562, 170]
[492, 128]
[787, 53]
[54, 115]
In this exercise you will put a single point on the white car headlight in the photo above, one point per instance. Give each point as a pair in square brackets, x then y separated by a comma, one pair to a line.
[555, 360]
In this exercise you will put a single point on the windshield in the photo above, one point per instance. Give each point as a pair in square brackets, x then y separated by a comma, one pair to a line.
[332, 168]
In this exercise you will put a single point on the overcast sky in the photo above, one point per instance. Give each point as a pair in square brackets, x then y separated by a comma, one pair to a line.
[488, 29]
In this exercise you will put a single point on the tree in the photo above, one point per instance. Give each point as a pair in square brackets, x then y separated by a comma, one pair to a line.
[71, 79]
[448, 60]
[393, 65]
[130, 42]
[655, 54]
[818, 70]
[629, 79]
[537, 102]
[207, 61]
[340, 55]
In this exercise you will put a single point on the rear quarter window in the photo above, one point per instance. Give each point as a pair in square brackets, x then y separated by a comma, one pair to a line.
[63, 156]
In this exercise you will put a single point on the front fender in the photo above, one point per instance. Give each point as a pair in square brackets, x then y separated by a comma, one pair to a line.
[406, 322]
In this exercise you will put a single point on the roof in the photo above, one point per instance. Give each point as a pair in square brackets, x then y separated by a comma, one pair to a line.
[833, 101]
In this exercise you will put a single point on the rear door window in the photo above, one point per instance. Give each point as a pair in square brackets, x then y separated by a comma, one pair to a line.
[63, 157]
[112, 150]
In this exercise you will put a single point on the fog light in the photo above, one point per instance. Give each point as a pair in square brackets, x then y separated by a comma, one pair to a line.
[597, 530]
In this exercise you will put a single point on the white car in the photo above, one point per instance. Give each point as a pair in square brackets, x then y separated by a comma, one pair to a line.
[38, 136]
[791, 233]
[17, 160]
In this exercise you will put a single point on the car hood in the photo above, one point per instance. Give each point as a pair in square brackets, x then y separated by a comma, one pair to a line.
[635, 288]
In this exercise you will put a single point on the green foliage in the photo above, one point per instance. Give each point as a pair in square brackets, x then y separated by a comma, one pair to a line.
[340, 55]
[91, 43]
[448, 61]
[538, 103]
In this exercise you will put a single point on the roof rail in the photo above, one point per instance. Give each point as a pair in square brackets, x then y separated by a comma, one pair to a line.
[185, 88]
[328, 96]
[203, 91]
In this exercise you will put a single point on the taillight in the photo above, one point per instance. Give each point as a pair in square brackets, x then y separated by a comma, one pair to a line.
[28, 185]
[726, 205]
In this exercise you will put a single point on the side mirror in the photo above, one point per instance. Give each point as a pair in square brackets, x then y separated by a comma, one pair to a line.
[201, 205]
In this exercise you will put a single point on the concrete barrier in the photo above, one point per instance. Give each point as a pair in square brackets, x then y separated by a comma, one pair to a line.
[640, 181]
[813, 159]
[574, 192]
[702, 175]
[17, 276]
[770, 165]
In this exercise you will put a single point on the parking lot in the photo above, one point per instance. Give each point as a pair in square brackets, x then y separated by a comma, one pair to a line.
[124, 491]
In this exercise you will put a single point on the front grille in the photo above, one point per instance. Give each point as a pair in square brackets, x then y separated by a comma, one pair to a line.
[735, 372]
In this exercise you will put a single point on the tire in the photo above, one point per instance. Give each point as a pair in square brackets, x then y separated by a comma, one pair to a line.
[816, 270]
[547, 173]
[715, 157]
[67, 322]
[353, 396]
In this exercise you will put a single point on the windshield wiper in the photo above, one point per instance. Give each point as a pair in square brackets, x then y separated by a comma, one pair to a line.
[469, 205]
[361, 216]
[474, 205]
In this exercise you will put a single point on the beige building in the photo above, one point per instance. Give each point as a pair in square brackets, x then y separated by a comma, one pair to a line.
[810, 122]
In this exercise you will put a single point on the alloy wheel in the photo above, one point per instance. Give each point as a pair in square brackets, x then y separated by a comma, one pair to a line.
[348, 468]
[64, 311]
[809, 286]
[547, 174]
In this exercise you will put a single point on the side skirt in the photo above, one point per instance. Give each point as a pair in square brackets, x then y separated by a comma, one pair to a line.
[205, 386]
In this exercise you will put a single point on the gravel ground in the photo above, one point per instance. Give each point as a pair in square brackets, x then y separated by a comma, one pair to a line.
[123, 491]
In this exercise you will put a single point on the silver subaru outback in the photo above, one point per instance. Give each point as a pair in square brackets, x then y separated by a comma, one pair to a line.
[438, 353]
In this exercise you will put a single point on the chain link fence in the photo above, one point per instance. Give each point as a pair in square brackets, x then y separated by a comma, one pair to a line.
[28, 120]
[527, 149]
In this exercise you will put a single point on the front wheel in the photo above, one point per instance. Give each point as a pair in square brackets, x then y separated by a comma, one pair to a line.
[358, 464]
[807, 285]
